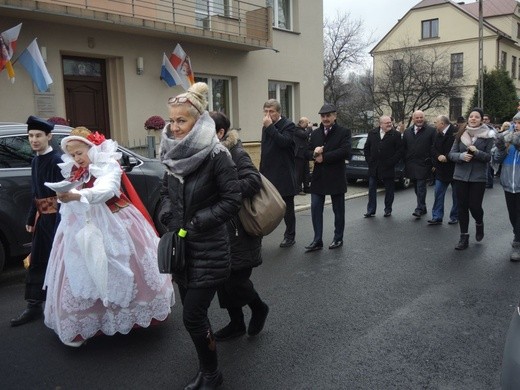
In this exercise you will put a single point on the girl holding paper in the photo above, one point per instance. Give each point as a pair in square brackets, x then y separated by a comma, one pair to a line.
[102, 275]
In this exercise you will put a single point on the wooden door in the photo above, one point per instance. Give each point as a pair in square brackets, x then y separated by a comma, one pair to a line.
[86, 93]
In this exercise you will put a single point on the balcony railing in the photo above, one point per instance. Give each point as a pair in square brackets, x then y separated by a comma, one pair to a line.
[237, 20]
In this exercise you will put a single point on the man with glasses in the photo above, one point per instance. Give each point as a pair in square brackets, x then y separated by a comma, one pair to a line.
[277, 162]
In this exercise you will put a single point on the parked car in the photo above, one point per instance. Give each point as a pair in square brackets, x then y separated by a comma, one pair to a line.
[15, 185]
[357, 167]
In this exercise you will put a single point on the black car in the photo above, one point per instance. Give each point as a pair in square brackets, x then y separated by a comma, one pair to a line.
[357, 167]
[15, 185]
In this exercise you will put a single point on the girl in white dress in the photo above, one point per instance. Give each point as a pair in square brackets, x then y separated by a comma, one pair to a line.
[102, 275]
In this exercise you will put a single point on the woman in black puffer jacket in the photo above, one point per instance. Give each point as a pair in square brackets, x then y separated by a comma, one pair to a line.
[200, 194]
[238, 290]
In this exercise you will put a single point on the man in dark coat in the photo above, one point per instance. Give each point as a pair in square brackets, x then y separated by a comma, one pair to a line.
[277, 162]
[383, 150]
[418, 142]
[44, 168]
[444, 168]
[329, 146]
[301, 138]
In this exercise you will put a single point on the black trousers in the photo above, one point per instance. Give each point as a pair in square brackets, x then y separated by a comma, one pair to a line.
[470, 196]
[289, 218]
[238, 290]
[302, 174]
[513, 209]
[195, 304]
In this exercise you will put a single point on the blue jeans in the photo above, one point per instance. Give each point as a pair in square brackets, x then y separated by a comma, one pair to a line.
[438, 204]
[419, 186]
[338, 207]
[372, 194]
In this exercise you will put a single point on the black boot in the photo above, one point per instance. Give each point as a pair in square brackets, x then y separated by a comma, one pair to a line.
[33, 312]
[235, 328]
[463, 243]
[479, 235]
[259, 314]
[209, 376]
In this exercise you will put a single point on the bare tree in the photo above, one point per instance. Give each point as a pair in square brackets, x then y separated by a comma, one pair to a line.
[345, 45]
[414, 79]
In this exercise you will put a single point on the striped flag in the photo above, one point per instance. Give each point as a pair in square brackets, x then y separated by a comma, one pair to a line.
[7, 47]
[182, 64]
[31, 59]
[168, 73]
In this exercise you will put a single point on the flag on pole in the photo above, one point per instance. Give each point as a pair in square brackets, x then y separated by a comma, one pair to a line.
[7, 47]
[31, 59]
[182, 64]
[169, 74]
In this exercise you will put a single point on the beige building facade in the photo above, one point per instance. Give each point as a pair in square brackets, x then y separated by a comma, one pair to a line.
[452, 28]
[105, 57]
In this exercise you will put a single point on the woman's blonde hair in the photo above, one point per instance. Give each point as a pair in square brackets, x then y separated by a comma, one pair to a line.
[195, 97]
[505, 126]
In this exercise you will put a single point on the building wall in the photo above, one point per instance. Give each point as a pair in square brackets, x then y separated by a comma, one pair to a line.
[133, 98]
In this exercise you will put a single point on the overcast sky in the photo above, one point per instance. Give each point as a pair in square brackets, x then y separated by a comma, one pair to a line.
[379, 16]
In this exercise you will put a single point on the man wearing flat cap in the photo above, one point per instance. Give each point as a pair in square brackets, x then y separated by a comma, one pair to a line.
[44, 168]
[329, 147]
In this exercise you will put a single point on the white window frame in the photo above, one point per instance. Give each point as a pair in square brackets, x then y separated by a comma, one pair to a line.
[276, 14]
[278, 88]
[209, 80]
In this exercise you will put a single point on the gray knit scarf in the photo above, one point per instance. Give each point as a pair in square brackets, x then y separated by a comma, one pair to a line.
[184, 156]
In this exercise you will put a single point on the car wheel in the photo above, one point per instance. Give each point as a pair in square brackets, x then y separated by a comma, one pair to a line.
[351, 181]
[2, 256]
[404, 183]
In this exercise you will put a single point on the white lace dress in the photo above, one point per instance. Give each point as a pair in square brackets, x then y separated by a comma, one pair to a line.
[102, 274]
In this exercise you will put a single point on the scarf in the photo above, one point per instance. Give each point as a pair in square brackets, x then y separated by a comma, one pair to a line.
[479, 132]
[184, 156]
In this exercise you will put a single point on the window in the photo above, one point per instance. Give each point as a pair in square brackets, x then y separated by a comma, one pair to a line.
[518, 30]
[457, 65]
[283, 92]
[281, 13]
[503, 60]
[455, 108]
[218, 95]
[430, 28]
[513, 67]
[15, 152]
[205, 8]
[398, 111]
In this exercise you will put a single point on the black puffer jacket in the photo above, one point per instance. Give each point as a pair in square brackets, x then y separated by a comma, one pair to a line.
[202, 205]
[245, 249]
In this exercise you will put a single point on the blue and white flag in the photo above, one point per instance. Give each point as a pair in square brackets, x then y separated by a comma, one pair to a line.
[32, 60]
[169, 74]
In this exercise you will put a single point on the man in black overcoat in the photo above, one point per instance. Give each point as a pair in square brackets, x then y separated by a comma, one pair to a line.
[444, 168]
[277, 162]
[418, 142]
[383, 150]
[329, 147]
[301, 137]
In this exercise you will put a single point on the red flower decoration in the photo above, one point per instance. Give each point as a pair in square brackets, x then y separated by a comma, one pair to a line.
[154, 123]
[58, 120]
[96, 138]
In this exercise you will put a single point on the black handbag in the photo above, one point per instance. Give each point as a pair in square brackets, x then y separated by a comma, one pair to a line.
[171, 252]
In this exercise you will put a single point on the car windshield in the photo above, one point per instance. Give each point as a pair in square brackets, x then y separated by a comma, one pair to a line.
[358, 142]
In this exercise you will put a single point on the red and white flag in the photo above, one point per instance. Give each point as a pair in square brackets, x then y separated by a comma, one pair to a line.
[182, 64]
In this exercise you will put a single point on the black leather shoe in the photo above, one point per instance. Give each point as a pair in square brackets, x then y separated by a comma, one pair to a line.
[434, 222]
[28, 315]
[314, 246]
[479, 235]
[417, 214]
[387, 214]
[336, 244]
[369, 215]
[230, 332]
[205, 380]
[286, 243]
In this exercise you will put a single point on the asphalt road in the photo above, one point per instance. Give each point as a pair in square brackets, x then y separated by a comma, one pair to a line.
[396, 307]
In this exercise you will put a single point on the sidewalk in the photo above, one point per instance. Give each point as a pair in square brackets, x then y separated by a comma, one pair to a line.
[303, 202]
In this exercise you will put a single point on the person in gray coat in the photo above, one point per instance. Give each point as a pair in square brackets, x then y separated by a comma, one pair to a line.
[471, 153]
